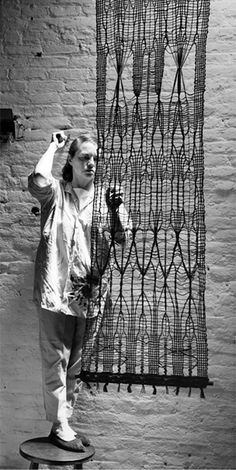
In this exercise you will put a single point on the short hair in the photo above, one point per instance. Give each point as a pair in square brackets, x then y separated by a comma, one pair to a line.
[67, 170]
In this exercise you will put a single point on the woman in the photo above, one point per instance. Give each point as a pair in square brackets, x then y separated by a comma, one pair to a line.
[62, 268]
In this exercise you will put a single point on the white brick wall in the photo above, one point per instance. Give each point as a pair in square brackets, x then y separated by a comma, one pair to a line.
[48, 78]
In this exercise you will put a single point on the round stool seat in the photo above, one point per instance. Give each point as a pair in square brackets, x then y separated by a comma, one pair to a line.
[41, 450]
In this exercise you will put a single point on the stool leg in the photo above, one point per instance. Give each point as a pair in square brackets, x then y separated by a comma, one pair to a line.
[34, 465]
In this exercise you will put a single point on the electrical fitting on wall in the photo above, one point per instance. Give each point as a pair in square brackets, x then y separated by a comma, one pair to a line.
[11, 127]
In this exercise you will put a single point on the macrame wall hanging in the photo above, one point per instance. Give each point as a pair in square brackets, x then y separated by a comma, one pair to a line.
[150, 96]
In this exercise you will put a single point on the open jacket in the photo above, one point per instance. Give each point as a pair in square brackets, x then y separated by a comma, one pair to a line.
[66, 222]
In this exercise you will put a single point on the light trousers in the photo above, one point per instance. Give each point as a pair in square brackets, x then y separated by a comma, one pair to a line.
[61, 341]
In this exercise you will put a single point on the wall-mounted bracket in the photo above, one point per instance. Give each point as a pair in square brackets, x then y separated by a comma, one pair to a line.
[11, 127]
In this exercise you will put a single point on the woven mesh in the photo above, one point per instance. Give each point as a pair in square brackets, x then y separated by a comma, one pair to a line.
[150, 113]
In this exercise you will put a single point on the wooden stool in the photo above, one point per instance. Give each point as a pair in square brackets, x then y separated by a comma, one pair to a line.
[40, 450]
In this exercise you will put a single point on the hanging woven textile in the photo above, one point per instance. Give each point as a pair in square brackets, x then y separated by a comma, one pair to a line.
[150, 327]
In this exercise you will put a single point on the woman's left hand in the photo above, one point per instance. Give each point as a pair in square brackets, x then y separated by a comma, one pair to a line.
[114, 197]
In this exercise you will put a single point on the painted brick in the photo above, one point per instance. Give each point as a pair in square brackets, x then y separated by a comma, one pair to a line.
[48, 78]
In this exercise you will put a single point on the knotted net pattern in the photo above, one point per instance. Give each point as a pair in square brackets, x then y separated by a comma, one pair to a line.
[150, 111]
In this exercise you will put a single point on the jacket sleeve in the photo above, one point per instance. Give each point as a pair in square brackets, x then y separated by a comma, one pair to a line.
[120, 224]
[46, 195]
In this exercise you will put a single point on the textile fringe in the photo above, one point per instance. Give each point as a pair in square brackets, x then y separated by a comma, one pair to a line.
[144, 389]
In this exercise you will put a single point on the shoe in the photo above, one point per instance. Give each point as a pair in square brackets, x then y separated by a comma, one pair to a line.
[84, 439]
[75, 445]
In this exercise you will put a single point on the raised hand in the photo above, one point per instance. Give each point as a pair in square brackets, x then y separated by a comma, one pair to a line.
[114, 197]
[59, 138]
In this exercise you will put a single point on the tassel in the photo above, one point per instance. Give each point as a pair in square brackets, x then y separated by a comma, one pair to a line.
[143, 389]
[202, 395]
[167, 390]
[129, 388]
[154, 390]
[88, 385]
[177, 390]
[189, 392]
[118, 389]
[105, 387]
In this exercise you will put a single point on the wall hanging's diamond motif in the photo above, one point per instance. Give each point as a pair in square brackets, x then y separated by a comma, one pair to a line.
[150, 102]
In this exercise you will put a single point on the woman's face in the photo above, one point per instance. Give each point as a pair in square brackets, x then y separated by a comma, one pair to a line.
[84, 165]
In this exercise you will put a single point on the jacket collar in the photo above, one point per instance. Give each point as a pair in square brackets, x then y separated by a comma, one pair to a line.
[82, 195]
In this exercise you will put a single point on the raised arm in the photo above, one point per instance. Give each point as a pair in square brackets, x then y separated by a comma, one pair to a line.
[43, 169]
